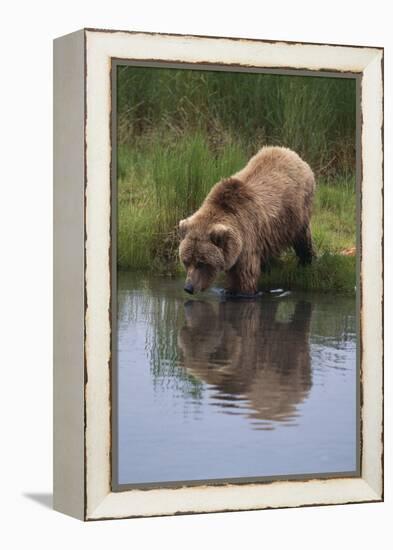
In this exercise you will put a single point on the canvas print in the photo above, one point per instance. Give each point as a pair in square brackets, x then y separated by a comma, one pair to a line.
[235, 344]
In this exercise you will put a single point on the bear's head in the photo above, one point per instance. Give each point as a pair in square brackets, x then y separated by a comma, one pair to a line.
[206, 250]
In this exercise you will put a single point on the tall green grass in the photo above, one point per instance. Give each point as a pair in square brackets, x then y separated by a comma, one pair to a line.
[315, 116]
[181, 131]
[158, 185]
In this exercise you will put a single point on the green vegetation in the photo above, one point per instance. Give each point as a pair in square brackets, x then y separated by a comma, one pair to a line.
[180, 131]
[158, 185]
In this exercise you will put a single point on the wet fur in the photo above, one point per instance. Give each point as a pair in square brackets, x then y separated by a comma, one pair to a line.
[248, 218]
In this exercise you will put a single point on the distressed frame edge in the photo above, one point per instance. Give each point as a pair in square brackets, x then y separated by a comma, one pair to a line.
[236, 38]
[372, 270]
[374, 494]
[360, 492]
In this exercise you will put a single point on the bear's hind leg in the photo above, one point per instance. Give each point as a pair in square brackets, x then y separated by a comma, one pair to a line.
[303, 246]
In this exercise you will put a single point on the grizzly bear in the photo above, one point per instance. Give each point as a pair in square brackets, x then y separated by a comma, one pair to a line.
[255, 362]
[248, 218]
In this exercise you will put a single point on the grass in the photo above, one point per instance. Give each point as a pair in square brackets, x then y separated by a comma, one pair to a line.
[159, 185]
[313, 115]
[181, 131]
[328, 272]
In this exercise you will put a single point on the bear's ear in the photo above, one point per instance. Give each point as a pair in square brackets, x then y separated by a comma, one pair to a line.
[228, 240]
[183, 227]
[219, 234]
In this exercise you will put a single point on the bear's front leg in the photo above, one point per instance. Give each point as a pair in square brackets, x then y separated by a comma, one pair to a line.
[243, 277]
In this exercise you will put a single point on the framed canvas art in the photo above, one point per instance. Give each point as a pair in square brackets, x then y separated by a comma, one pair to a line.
[218, 267]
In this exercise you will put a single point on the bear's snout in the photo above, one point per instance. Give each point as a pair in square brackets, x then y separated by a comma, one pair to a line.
[188, 287]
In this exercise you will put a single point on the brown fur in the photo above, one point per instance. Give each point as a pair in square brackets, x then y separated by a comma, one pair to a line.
[246, 355]
[247, 218]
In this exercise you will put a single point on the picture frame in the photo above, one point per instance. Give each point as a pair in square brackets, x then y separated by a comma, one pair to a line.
[84, 210]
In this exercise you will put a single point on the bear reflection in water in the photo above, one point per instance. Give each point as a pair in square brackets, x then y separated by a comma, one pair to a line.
[255, 363]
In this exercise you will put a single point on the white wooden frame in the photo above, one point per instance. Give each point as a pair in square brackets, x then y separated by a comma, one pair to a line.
[82, 334]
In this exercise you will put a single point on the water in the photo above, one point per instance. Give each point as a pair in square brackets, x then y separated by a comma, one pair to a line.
[210, 388]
